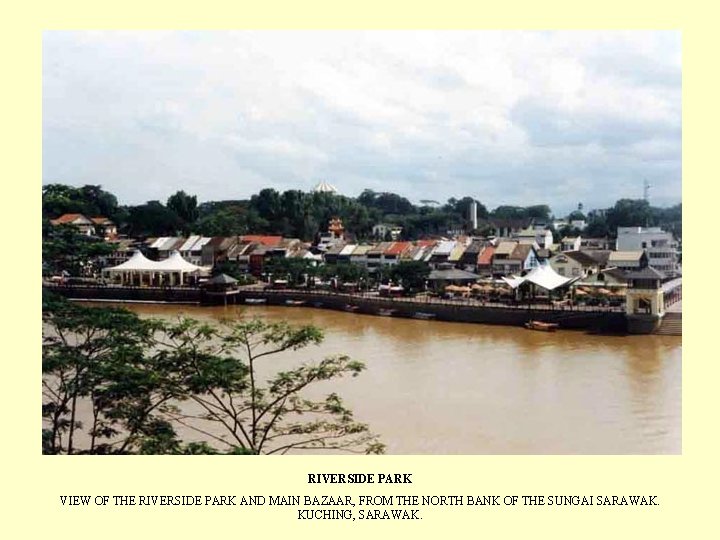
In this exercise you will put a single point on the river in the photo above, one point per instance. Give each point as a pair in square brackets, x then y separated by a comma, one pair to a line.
[433, 387]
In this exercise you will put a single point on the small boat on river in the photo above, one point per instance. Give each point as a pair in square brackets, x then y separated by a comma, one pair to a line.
[542, 326]
[255, 300]
[424, 316]
[294, 302]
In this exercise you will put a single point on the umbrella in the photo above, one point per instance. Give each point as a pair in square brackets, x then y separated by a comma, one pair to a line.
[603, 291]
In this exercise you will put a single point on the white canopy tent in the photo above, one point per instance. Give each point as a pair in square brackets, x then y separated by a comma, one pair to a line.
[141, 270]
[542, 276]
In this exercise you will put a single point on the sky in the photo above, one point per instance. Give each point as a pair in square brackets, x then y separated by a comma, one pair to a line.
[506, 117]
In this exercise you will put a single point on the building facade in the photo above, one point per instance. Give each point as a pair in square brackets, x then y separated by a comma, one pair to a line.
[660, 246]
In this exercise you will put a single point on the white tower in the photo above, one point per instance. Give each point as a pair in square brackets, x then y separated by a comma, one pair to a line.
[474, 214]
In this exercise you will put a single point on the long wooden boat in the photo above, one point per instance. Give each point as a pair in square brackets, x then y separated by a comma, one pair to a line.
[255, 300]
[542, 326]
[295, 302]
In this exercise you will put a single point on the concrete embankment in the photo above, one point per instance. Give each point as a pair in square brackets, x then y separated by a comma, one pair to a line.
[601, 321]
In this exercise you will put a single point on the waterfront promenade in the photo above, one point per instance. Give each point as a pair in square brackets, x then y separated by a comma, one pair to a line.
[601, 319]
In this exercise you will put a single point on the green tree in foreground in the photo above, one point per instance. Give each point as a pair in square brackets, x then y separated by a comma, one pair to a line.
[143, 379]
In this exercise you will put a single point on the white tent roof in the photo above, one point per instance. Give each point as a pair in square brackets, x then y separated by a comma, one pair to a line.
[138, 262]
[325, 187]
[543, 276]
[175, 263]
[513, 281]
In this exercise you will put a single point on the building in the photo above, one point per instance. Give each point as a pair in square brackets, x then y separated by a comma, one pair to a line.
[374, 255]
[505, 228]
[597, 243]
[441, 253]
[217, 249]
[541, 238]
[381, 231]
[83, 224]
[628, 260]
[502, 264]
[570, 243]
[660, 246]
[393, 254]
[644, 300]
[325, 187]
[574, 264]
[104, 227]
[359, 255]
[484, 261]
[525, 256]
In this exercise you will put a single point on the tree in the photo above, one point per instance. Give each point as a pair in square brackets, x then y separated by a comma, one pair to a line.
[629, 213]
[220, 368]
[509, 212]
[64, 249]
[89, 200]
[184, 206]
[344, 272]
[153, 219]
[291, 268]
[411, 274]
[135, 376]
[103, 357]
[538, 211]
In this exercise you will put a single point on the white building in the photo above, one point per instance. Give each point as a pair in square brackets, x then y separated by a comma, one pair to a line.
[660, 246]
[381, 231]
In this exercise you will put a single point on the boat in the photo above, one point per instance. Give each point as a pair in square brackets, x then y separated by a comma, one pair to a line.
[294, 302]
[255, 300]
[349, 307]
[386, 312]
[424, 316]
[542, 326]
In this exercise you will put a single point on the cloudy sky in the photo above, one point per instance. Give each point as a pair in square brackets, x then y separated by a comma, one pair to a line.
[507, 117]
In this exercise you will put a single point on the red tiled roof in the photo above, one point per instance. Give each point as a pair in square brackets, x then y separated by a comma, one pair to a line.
[101, 220]
[66, 218]
[485, 256]
[425, 243]
[397, 248]
[264, 240]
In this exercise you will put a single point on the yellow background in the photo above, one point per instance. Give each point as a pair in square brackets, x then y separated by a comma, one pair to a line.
[31, 483]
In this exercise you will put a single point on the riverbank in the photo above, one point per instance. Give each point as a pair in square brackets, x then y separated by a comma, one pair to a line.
[591, 319]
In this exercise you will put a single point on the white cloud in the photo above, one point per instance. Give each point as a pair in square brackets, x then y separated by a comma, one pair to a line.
[494, 114]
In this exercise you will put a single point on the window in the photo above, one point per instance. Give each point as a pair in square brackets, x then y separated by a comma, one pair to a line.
[576, 271]
[561, 271]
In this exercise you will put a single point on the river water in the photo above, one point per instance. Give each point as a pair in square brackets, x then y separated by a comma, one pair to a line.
[435, 387]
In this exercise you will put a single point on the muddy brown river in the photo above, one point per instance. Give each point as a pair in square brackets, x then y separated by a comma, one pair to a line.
[452, 388]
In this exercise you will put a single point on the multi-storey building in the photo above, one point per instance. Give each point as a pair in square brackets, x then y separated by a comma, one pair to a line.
[660, 246]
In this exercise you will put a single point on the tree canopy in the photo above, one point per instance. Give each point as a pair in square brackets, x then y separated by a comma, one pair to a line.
[137, 378]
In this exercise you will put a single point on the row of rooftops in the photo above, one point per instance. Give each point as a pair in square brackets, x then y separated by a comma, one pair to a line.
[462, 250]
